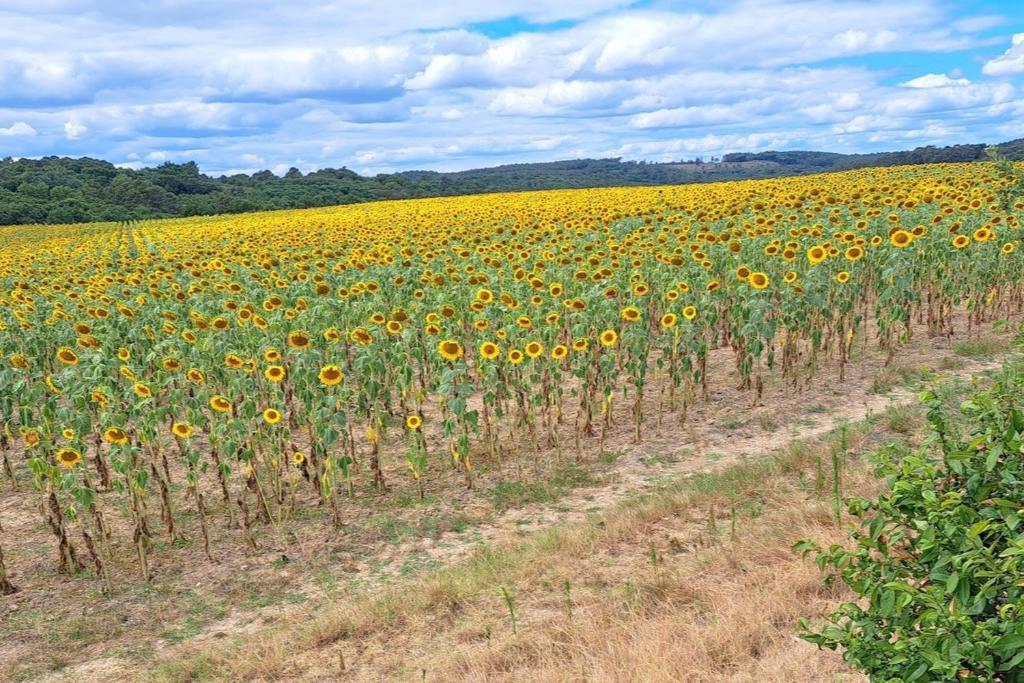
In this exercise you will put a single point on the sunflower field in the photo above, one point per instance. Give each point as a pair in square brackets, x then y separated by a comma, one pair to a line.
[247, 366]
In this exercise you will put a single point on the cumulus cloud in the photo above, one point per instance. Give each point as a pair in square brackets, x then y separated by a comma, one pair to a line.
[19, 128]
[1010, 62]
[74, 130]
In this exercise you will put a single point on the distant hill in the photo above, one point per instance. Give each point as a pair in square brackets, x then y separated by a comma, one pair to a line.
[65, 190]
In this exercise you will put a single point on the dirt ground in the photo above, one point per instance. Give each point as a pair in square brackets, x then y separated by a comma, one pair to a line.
[59, 628]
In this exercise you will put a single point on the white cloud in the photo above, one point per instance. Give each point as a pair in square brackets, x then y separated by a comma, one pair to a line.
[18, 129]
[74, 130]
[1010, 62]
[936, 81]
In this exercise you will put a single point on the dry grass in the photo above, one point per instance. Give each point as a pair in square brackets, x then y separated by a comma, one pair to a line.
[660, 588]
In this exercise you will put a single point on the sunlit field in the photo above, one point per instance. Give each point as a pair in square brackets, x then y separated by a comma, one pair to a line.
[259, 365]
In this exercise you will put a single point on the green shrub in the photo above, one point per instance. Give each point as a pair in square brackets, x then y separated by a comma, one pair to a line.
[938, 561]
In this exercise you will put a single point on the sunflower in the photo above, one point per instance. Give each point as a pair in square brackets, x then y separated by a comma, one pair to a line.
[668, 321]
[31, 437]
[690, 312]
[393, 327]
[18, 361]
[330, 375]
[123, 354]
[220, 404]
[115, 435]
[233, 361]
[142, 390]
[816, 254]
[196, 376]
[961, 241]
[67, 433]
[759, 280]
[298, 459]
[182, 430]
[1007, 248]
[66, 356]
[854, 254]
[413, 421]
[271, 416]
[360, 336]
[534, 350]
[790, 277]
[274, 373]
[298, 340]
[484, 296]
[559, 352]
[900, 239]
[449, 349]
[489, 350]
[842, 277]
[272, 355]
[631, 314]
[515, 356]
[608, 338]
[332, 336]
[580, 345]
[171, 364]
[68, 457]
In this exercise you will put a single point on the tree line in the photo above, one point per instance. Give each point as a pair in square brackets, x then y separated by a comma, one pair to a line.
[65, 190]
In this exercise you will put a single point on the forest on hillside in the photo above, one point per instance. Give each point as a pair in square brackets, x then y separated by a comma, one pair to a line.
[65, 190]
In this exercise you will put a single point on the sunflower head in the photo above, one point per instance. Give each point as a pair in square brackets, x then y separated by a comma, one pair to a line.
[274, 373]
[449, 349]
[608, 338]
[182, 430]
[220, 404]
[413, 421]
[271, 416]
[330, 375]
[68, 457]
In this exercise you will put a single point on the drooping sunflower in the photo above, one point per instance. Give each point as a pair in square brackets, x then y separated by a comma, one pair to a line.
[271, 416]
[142, 390]
[330, 375]
[66, 356]
[274, 373]
[68, 457]
[360, 336]
[195, 376]
[115, 435]
[449, 349]
[220, 404]
[182, 430]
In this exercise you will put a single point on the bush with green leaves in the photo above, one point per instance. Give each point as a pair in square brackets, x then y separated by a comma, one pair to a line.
[938, 560]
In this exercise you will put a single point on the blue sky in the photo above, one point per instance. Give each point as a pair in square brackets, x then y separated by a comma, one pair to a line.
[377, 85]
